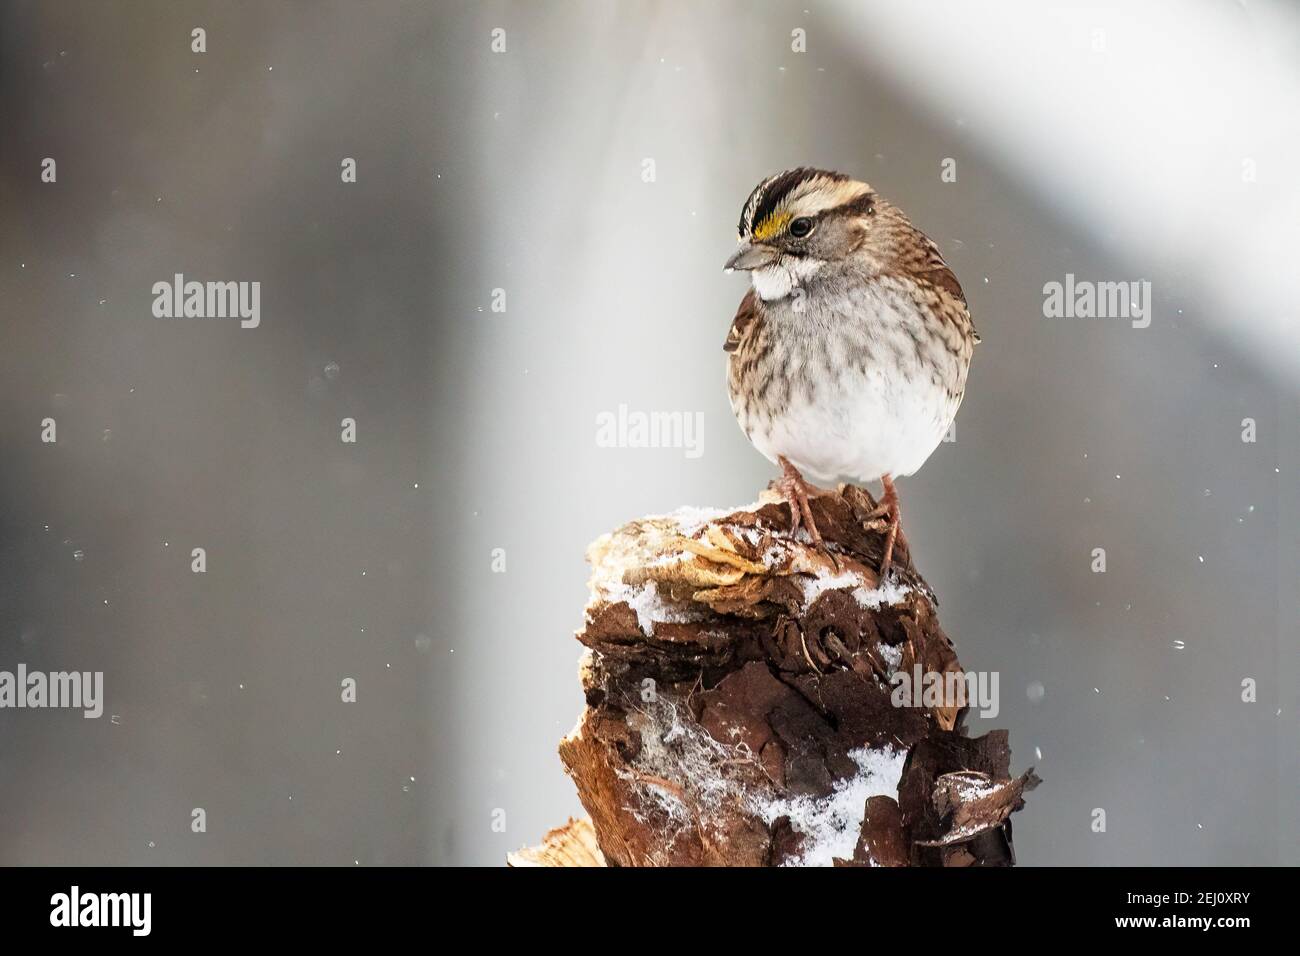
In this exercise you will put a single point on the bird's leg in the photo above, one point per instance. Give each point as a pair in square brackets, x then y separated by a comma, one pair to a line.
[889, 510]
[795, 490]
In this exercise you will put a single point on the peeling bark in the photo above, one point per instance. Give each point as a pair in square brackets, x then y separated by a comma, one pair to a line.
[740, 710]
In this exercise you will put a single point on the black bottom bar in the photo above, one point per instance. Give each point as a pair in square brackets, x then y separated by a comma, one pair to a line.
[303, 905]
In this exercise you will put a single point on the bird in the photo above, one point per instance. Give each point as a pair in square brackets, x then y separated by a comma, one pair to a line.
[848, 357]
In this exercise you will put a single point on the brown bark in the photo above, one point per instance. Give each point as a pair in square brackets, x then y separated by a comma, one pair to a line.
[740, 710]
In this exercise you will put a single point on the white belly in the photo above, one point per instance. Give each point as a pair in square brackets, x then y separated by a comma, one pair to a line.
[870, 425]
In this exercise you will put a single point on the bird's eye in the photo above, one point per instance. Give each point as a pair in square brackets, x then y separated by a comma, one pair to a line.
[801, 227]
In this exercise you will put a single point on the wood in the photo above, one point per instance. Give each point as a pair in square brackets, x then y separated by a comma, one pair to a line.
[573, 844]
[741, 707]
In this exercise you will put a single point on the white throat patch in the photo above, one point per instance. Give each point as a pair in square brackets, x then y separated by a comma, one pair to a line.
[780, 278]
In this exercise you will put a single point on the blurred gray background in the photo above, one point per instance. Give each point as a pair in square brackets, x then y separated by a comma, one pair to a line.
[1116, 142]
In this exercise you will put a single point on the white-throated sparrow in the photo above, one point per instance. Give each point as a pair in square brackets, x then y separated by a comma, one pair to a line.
[848, 356]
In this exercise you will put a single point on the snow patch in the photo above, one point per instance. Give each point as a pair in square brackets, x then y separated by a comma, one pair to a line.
[649, 606]
[831, 825]
[690, 521]
[813, 587]
[888, 593]
[870, 598]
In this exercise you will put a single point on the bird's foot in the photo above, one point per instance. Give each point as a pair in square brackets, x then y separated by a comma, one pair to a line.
[795, 489]
[887, 517]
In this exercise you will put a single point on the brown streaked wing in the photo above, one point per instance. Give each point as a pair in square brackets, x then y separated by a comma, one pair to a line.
[746, 315]
[929, 269]
[935, 271]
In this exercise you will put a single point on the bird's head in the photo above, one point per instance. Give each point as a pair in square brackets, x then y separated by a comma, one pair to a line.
[796, 223]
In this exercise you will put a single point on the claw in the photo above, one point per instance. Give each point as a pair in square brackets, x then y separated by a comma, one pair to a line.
[888, 509]
[795, 488]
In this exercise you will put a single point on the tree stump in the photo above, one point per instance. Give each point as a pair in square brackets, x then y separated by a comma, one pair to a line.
[749, 703]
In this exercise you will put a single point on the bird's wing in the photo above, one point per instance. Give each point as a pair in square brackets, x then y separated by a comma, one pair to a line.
[745, 316]
[932, 269]
[929, 269]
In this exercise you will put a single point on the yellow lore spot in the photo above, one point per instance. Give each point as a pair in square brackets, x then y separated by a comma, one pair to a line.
[770, 226]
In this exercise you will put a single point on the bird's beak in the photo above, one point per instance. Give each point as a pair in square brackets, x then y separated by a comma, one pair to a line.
[751, 256]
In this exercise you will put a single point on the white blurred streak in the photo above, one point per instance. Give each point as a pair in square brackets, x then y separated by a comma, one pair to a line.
[1134, 120]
